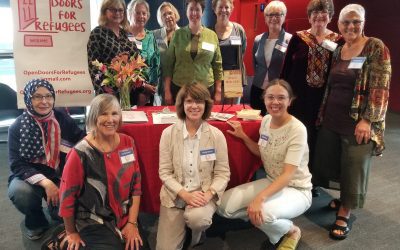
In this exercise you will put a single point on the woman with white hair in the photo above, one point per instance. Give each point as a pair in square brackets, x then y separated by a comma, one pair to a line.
[352, 116]
[269, 52]
[167, 17]
[139, 14]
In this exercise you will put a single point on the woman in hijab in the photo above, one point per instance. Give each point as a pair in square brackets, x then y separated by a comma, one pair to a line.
[38, 142]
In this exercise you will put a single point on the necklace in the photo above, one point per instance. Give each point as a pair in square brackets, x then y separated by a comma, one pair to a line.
[108, 154]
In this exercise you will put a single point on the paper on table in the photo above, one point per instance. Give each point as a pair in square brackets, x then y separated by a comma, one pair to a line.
[249, 114]
[164, 118]
[221, 116]
[134, 116]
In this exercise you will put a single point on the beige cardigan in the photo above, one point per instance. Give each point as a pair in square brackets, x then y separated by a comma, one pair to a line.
[213, 174]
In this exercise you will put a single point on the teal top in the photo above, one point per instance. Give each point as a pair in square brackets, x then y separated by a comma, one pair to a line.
[205, 68]
[149, 51]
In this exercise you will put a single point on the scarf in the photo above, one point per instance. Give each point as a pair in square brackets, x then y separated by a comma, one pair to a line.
[40, 135]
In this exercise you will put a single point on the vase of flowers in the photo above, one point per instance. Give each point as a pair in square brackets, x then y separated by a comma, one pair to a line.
[124, 73]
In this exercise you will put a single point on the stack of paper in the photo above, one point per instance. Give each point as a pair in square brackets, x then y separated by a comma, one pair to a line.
[134, 116]
[249, 114]
[164, 118]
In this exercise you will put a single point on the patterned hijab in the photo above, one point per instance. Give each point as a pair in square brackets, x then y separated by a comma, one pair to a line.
[40, 134]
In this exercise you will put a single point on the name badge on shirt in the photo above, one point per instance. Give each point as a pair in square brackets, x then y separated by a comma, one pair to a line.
[329, 45]
[208, 155]
[139, 44]
[208, 46]
[65, 146]
[235, 40]
[263, 140]
[357, 62]
[126, 156]
[160, 42]
[281, 47]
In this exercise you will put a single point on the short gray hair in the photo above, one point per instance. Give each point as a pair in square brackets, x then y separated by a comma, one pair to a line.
[358, 9]
[174, 10]
[98, 105]
[132, 4]
[276, 4]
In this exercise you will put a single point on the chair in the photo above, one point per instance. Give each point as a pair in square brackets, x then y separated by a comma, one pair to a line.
[8, 107]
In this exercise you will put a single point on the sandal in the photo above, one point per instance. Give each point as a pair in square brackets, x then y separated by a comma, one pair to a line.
[345, 229]
[334, 204]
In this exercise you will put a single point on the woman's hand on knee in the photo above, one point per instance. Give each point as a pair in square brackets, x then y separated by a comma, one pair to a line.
[52, 191]
[254, 210]
[132, 237]
[74, 241]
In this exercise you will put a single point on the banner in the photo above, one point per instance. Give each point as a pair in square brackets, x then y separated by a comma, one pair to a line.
[50, 38]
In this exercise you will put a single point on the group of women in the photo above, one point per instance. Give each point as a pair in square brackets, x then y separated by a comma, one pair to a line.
[171, 63]
[339, 83]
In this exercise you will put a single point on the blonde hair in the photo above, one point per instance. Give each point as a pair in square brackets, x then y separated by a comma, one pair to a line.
[106, 4]
[276, 4]
[174, 10]
[98, 105]
[215, 2]
[132, 5]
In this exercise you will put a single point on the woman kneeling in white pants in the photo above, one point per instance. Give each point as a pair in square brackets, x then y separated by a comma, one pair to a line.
[285, 193]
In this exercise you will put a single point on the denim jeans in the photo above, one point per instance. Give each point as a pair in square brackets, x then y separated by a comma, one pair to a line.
[27, 198]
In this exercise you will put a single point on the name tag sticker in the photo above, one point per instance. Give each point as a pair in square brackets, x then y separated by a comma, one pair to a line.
[235, 40]
[160, 42]
[208, 155]
[281, 47]
[329, 45]
[139, 44]
[208, 46]
[357, 62]
[126, 156]
[65, 146]
[263, 140]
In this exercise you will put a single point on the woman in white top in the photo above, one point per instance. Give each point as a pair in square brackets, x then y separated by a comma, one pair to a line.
[285, 193]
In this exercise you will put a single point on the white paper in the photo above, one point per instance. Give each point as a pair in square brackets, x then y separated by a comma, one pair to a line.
[164, 118]
[134, 116]
[208, 46]
[221, 116]
[357, 62]
[329, 45]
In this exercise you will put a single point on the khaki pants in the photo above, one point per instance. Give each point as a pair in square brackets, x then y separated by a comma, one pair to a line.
[172, 222]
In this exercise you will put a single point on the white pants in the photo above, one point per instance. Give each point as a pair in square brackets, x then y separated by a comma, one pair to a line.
[277, 210]
[172, 221]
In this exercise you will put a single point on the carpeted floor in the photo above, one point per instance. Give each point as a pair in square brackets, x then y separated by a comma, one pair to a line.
[377, 226]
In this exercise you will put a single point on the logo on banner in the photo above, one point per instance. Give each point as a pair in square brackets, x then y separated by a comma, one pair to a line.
[60, 16]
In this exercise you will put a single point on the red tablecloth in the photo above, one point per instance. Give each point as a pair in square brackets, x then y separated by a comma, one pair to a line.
[242, 162]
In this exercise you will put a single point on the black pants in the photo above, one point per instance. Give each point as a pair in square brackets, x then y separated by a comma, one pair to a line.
[256, 99]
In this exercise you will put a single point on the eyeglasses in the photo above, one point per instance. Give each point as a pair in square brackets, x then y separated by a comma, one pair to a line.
[39, 98]
[115, 11]
[279, 98]
[276, 15]
[354, 22]
[192, 102]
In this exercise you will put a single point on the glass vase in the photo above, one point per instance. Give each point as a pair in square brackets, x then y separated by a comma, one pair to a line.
[124, 97]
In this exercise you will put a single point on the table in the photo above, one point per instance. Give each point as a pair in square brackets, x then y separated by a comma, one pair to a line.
[242, 162]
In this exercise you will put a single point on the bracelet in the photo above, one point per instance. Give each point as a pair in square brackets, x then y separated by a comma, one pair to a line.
[133, 223]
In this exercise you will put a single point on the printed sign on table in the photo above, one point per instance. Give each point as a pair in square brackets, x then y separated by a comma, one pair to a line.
[233, 83]
[50, 40]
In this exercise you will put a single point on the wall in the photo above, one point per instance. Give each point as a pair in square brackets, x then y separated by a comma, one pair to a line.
[382, 21]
